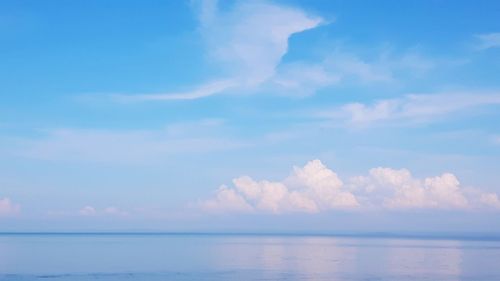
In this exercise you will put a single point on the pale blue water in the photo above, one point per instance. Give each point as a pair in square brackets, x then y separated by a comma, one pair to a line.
[244, 257]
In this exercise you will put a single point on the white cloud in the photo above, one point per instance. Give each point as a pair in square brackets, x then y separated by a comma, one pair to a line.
[252, 37]
[398, 189]
[266, 195]
[407, 192]
[323, 185]
[311, 189]
[123, 146]
[315, 188]
[227, 200]
[490, 199]
[108, 211]
[416, 108]
[201, 91]
[488, 40]
[248, 41]
[114, 211]
[352, 65]
[87, 211]
[8, 208]
[303, 78]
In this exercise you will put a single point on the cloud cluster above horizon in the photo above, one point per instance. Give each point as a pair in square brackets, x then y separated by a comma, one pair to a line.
[315, 188]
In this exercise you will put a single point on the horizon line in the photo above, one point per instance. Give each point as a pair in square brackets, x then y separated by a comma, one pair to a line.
[380, 234]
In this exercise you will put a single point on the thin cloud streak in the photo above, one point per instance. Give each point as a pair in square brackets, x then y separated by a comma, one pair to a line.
[488, 41]
[123, 146]
[205, 90]
[409, 108]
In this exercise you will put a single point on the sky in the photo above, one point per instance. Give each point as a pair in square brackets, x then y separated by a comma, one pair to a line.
[285, 116]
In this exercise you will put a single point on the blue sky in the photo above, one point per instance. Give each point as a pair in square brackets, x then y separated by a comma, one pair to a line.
[250, 115]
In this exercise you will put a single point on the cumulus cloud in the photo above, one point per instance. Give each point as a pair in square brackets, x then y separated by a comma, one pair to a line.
[228, 200]
[315, 188]
[312, 188]
[8, 208]
[490, 199]
[488, 40]
[416, 108]
[404, 191]
[323, 185]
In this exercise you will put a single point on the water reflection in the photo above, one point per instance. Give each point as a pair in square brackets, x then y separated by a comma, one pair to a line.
[323, 257]
[442, 259]
[226, 257]
[314, 258]
[329, 258]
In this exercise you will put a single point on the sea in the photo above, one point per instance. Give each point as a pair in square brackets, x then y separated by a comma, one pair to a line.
[212, 256]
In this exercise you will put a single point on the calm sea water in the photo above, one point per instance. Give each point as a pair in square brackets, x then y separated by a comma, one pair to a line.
[243, 257]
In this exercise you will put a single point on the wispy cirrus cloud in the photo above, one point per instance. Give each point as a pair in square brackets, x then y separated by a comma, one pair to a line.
[90, 211]
[342, 66]
[315, 188]
[122, 146]
[410, 108]
[251, 38]
[488, 40]
[108, 211]
[247, 41]
[201, 91]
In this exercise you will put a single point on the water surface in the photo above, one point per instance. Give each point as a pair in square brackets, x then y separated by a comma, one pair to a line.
[65, 257]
